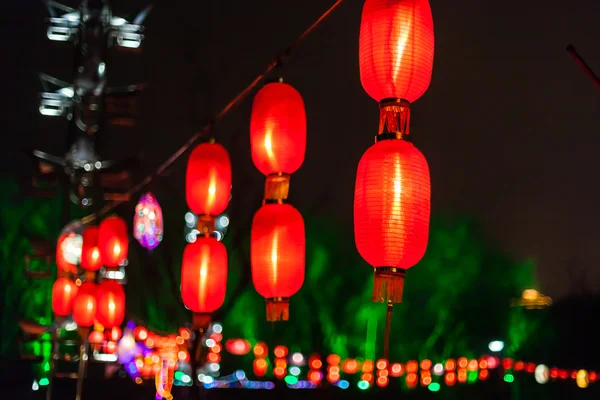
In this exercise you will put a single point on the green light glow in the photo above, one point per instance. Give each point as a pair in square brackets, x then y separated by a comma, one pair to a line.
[291, 380]
[509, 378]
[363, 385]
[434, 387]
[44, 382]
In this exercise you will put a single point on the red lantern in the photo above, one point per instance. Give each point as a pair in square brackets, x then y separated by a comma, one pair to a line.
[113, 241]
[278, 129]
[204, 275]
[391, 213]
[277, 254]
[110, 301]
[64, 292]
[84, 307]
[396, 48]
[68, 251]
[90, 252]
[208, 179]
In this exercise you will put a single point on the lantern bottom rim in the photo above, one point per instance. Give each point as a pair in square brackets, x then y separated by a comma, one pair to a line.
[201, 321]
[388, 284]
[278, 309]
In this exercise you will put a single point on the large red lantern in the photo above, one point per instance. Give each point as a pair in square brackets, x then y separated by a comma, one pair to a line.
[110, 303]
[64, 292]
[278, 129]
[113, 241]
[68, 251]
[396, 48]
[90, 251]
[208, 179]
[204, 275]
[391, 213]
[84, 307]
[277, 256]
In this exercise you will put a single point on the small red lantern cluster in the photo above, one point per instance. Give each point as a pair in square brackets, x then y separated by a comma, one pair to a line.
[90, 303]
[277, 247]
[392, 191]
[204, 266]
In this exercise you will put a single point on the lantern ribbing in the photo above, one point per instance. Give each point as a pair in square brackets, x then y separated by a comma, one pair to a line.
[392, 191]
[277, 243]
[204, 265]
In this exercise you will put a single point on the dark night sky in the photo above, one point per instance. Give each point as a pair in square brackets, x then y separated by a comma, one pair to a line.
[509, 124]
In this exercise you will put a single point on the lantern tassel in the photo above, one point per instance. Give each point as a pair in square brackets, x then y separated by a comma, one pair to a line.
[394, 118]
[278, 309]
[388, 285]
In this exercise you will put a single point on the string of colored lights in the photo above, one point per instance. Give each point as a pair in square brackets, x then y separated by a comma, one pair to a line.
[206, 130]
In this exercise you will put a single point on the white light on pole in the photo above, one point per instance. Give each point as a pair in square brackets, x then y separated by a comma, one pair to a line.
[496, 346]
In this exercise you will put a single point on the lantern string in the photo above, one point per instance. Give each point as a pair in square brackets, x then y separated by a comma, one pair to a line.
[207, 129]
[583, 65]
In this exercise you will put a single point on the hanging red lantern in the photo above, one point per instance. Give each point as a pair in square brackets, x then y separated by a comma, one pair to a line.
[391, 213]
[110, 303]
[84, 307]
[208, 179]
[68, 251]
[204, 275]
[278, 129]
[90, 252]
[113, 241]
[277, 256]
[64, 292]
[396, 48]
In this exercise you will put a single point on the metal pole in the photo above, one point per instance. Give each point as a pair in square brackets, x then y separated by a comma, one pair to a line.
[83, 356]
[388, 326]
[54, 356]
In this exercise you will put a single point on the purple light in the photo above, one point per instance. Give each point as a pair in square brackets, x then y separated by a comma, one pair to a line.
[148, 222]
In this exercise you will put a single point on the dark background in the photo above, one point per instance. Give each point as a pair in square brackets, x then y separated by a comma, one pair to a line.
[509, 125]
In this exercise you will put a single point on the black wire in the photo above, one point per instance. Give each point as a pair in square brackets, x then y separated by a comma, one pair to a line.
[206, 131]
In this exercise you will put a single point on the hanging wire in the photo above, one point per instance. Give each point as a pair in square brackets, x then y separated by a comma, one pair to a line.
[206, 130]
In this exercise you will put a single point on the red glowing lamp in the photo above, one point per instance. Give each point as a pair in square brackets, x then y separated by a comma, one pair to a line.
[64, 293]
[84, 307]
[278, 129]
[113, 241]
[396, 48]
[277, 256]
[204, 275]
[110, 301]
[90, 251]
[208, 179]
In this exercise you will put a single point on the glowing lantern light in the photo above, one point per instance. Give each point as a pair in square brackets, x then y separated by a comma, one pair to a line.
[68, 251]
[114, 333]
[278, 129]
[84, 307]
[542, 373]
[113, 241]
[208, 179]
[96, 337]
[90, 251]
[582, 379]
[110, 301]
[391, 213]
[238, 347]
[64, 293]
[396, 48]
[204, 275]
[277, 256]
[148, 222]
